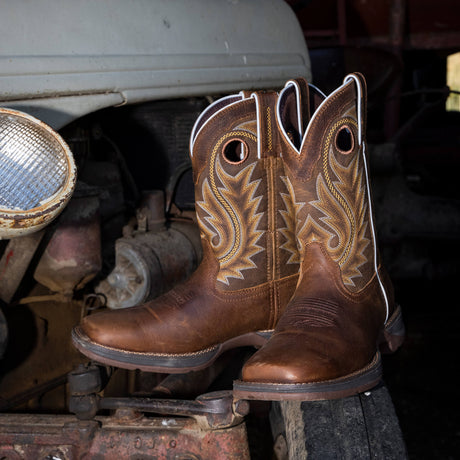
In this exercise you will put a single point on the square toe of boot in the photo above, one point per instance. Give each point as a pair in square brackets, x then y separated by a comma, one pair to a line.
[289, 368]
[270, 373]
[266, 369]
[106, 329]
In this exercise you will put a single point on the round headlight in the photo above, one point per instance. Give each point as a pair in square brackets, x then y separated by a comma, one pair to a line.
[37, 173]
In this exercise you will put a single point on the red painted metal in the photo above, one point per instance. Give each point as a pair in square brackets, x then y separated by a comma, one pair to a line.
[31, 437]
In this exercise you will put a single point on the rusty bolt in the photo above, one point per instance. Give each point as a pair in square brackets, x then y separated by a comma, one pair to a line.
[86, 379]
[241, 407]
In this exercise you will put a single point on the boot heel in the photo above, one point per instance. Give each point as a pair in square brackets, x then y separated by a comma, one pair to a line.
[394, 333]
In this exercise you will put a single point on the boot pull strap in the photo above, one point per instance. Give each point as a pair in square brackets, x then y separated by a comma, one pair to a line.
[267, 140]
[246, 94]
[210, 112]
[293, 111]
[303, 102]
[361, 102]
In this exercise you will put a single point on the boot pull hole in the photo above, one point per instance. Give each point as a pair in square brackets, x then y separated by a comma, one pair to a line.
[344, 140]
[235, 151]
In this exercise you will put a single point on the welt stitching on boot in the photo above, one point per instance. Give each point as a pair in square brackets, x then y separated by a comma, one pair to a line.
[250, 259]
[325, 345]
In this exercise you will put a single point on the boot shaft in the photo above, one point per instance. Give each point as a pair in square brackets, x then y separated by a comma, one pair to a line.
[326, 164]
[243, 207]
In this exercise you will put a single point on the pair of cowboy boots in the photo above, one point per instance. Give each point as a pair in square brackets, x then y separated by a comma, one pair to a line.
[290, 261]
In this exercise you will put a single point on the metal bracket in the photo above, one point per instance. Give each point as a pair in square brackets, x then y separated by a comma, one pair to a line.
[214, 410]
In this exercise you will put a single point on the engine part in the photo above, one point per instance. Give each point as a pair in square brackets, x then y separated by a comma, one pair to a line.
[212, 410]
[153, 258]
[29, 437]
[15, 261]
[149, 264]
[37, 174]
[73, 254]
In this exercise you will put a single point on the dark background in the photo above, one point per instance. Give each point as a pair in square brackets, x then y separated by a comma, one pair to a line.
[402, 47]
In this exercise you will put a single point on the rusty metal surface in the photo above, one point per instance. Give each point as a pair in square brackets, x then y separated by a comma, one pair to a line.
[212, 410]
[73, 254]
[34, 437]
[215, 410]
[15, 261]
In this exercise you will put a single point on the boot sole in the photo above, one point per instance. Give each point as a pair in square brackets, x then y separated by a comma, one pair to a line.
[349, 385]
[162, 362]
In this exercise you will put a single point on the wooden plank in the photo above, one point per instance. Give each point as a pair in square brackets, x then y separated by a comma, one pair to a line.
[364, 426]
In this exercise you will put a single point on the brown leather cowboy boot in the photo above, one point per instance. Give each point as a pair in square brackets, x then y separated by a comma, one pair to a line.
[250, 259]
[325, 345]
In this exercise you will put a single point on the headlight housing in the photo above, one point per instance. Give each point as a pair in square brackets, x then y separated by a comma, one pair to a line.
[37, 174]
